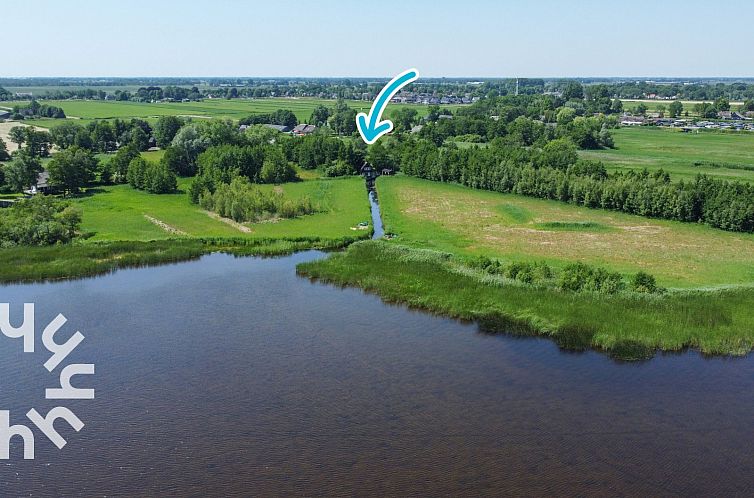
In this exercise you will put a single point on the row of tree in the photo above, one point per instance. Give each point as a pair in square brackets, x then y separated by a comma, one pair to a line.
[554, 172]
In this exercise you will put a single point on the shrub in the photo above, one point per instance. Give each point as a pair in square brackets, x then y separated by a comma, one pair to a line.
[244, 202]
[644, 282]
[38, 221]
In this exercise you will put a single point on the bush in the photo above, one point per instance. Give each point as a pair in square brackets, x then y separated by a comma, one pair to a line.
[644, 282]
[579, 277]
[38, 221]
[243, 202]
[339, 168]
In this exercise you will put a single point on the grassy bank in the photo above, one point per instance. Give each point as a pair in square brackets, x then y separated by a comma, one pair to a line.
[32, 264]
[629, 326]
[471, 222]
[123, 227]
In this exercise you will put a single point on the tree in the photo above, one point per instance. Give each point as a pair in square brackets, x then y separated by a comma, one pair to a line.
[139, 139]
[573, 91]
[379, 157]
[165, 129]
[4, 155]
[320, 115]
[103, 136]
[722, 104]
[559, 154]
[617, 106]
[675, 108]
[118, 165]
[276, 168]
[64, 135]
[565, 116]
[189, 144]
[38, 143]
[705, 110]
[137, 173]
[405, 118]
[344, 119]
[17, 135]
[72, 169]
[22, 173]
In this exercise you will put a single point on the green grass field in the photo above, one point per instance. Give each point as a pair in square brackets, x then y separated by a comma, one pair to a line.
[120, 212]
[653, 105]
[473, 222]
[676, 152]
[87, 110]
[629, 327]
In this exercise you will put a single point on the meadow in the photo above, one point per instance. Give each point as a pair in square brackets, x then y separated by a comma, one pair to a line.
[728, 155]
[87, 110]
[119, 212]
[653, 105]
[470, 222]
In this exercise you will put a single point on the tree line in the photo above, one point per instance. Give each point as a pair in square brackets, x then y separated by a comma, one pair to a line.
[555, 172]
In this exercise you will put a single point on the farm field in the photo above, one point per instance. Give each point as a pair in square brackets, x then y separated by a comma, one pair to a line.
[723, 155]
[652, 105]
[120, 213]
[209, 108]
[471, 222]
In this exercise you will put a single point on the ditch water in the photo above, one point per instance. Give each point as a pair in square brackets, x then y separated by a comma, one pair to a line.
[234, 377]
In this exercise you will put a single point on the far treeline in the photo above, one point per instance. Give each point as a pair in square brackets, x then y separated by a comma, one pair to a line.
[153, 89]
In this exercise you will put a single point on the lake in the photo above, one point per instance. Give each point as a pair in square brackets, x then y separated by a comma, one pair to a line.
[233, 376]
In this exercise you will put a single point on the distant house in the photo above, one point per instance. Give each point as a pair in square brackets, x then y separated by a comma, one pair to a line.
[4, 115]
[724, 114]
[417, 128]
[632, 120]
[280, 128]
[42, 186]
[445, 116]
[304, 129]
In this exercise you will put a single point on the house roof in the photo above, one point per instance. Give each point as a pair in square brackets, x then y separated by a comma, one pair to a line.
[304, 128]
[280, 128]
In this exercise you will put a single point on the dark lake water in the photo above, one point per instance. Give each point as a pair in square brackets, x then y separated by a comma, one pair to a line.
[235, 377]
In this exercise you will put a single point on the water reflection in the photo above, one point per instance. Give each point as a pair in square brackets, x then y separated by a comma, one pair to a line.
[229, 376]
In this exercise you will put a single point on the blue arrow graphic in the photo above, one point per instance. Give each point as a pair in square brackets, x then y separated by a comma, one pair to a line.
[374, 129]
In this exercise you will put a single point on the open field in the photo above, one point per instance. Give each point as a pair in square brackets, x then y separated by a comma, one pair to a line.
[627, 326]
[209, 108]
[474, 222]
[4, 129]
[676, 152]
[120, 212]
[652, 105]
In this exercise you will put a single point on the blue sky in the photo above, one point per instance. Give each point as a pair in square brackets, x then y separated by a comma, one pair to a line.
[486, 38]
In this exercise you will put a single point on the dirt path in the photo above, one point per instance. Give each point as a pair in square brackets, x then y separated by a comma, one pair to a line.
[228, 221]
[165, 226]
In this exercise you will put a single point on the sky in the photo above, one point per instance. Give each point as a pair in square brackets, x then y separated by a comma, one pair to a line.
[337, 38]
